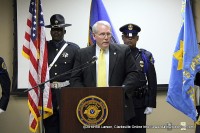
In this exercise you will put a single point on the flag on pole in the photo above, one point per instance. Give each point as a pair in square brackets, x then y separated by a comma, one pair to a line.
[185, 65]
[35, 49]
[98, 12]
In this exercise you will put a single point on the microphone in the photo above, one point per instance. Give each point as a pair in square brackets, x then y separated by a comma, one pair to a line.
[93, 60]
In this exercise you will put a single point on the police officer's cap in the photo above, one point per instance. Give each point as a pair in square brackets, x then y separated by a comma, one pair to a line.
[130, 30]
[57, 21]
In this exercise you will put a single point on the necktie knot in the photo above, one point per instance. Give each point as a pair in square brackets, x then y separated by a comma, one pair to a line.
[102, 51]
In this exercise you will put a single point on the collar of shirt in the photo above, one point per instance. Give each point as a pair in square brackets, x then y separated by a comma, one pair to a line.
[57, 45]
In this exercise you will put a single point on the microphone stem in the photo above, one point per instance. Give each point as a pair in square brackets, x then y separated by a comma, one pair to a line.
[78, 68]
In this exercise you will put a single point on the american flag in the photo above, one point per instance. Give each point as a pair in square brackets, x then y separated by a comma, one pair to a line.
[35, 49]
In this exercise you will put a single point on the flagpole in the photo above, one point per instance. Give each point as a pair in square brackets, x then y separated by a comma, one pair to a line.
[35, 47]
[39, 128]
[41, 86]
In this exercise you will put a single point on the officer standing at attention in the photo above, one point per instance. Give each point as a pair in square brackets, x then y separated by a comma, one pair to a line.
[144, 98]
[5, 85]
[61, 55]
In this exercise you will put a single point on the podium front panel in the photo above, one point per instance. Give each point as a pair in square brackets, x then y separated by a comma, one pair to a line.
[70, 98]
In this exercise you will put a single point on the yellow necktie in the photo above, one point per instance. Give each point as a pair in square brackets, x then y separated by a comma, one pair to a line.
[101, 70]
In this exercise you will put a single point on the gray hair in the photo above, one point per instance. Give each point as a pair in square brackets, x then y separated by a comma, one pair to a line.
[102, 22]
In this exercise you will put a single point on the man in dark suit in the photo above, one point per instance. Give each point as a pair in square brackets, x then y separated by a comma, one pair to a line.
[5, 85]
[120, 66]
[145, 97]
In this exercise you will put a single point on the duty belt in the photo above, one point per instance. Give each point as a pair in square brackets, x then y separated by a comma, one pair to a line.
[140, 92]
[58, 85]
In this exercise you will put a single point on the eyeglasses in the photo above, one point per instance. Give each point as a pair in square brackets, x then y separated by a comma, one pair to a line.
[103, 35]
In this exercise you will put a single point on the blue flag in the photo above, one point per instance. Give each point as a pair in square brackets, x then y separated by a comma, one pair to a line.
[185, 65]
[97, 13]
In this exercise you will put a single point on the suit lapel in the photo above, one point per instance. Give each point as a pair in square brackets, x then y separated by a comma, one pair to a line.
[91, 53]
[112, 59]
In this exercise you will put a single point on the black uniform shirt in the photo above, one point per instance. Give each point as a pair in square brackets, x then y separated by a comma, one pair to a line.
[5, 85]
[150, 100]
[65, 61]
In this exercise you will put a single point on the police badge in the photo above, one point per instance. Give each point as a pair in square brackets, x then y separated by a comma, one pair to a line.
[91, 111]
[65, 54]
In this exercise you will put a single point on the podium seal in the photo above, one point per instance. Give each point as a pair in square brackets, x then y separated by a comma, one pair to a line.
[92, 110]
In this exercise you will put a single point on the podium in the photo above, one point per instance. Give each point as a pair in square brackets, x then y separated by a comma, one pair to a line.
[70, 99]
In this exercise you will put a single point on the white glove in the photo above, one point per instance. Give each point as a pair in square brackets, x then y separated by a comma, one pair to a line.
[1, 111]
[197, 113]
[148, 110]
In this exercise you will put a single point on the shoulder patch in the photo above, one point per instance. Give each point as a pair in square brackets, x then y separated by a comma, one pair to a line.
[148, 55]
[147, 58]
[151, 60]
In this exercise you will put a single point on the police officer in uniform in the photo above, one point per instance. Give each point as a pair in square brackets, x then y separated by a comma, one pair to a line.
[5, 85]
[144, 98]
[61, 59]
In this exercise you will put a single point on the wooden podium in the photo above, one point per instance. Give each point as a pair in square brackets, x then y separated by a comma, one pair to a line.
[70, 98]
